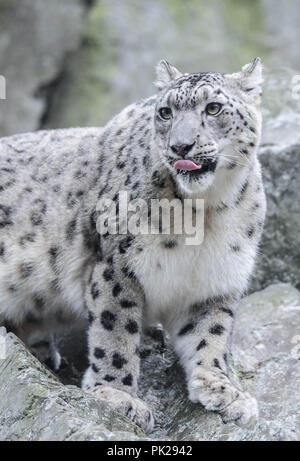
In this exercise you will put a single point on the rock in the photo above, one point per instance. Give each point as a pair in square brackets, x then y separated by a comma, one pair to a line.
[279, 257]
[123, 41]
[34, 405]
[35, 38]
[266, 353]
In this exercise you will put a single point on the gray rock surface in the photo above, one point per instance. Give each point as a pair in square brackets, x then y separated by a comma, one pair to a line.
[123, 41]
[35, 38]
[279, 258]
[34, 405]
[265, 362]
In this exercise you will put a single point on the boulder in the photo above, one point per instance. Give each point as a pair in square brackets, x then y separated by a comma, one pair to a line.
[35, 38]
[34, 405]
[279, 256]
[265, 361]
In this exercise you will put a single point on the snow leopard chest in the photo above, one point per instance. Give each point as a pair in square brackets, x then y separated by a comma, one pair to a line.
[174, 275]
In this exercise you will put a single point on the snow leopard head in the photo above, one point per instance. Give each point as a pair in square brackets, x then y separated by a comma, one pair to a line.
[207, 123]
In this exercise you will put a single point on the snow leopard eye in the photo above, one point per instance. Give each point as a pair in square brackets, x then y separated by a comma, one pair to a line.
[213, 108]
[165, 113]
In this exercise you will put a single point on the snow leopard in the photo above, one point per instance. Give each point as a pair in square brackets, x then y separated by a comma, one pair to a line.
[196, 138]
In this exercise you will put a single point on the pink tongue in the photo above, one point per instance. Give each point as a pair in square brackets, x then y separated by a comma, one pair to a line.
[186, 165]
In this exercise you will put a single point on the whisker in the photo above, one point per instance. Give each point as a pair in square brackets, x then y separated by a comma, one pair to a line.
[232, 160]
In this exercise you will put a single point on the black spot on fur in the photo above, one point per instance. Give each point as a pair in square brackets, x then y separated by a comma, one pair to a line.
[5, 216]
[201, 345]
[36, 218]
[216, 364]
[132, 327]
[157, 179]
[109, 378]
[169, 244]
[116, 290]
[118, 361]
[95, 292]
[120, 164]
[55, 285]
[108, 274]
[146, 161]
[128, 272]
[240, 115]
[201, 307]
[91, 317]
[255, 206]
[27, 238]
[70, 230]
[242, 193]
[12, 288]
[250, 231]
[26, 269]
[79, 174]
[71, 200]
[128, 180]
[186, 329]
[2, 249]
[95, 368]
[53, 252]
[108, 320]
[127, 303]
[125, 244]
[217, 329]
[127, 381]
[231, 166]
[39, 302]
[227, 311]
[235, 248]
[99, 353]
[110, 260]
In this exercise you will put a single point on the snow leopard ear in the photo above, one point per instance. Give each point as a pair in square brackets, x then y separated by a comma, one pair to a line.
[165, 74]
[250, 78]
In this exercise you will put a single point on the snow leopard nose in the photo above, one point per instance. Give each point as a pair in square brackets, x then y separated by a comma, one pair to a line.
[182, 149]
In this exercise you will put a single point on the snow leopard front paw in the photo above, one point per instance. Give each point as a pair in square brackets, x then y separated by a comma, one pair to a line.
[216, 393]
[243, 411]
[132, 407]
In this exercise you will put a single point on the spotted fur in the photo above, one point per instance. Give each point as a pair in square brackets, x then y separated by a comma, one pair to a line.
[55, 268]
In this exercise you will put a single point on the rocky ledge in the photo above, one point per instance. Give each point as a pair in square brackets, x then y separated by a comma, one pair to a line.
[36, 405]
